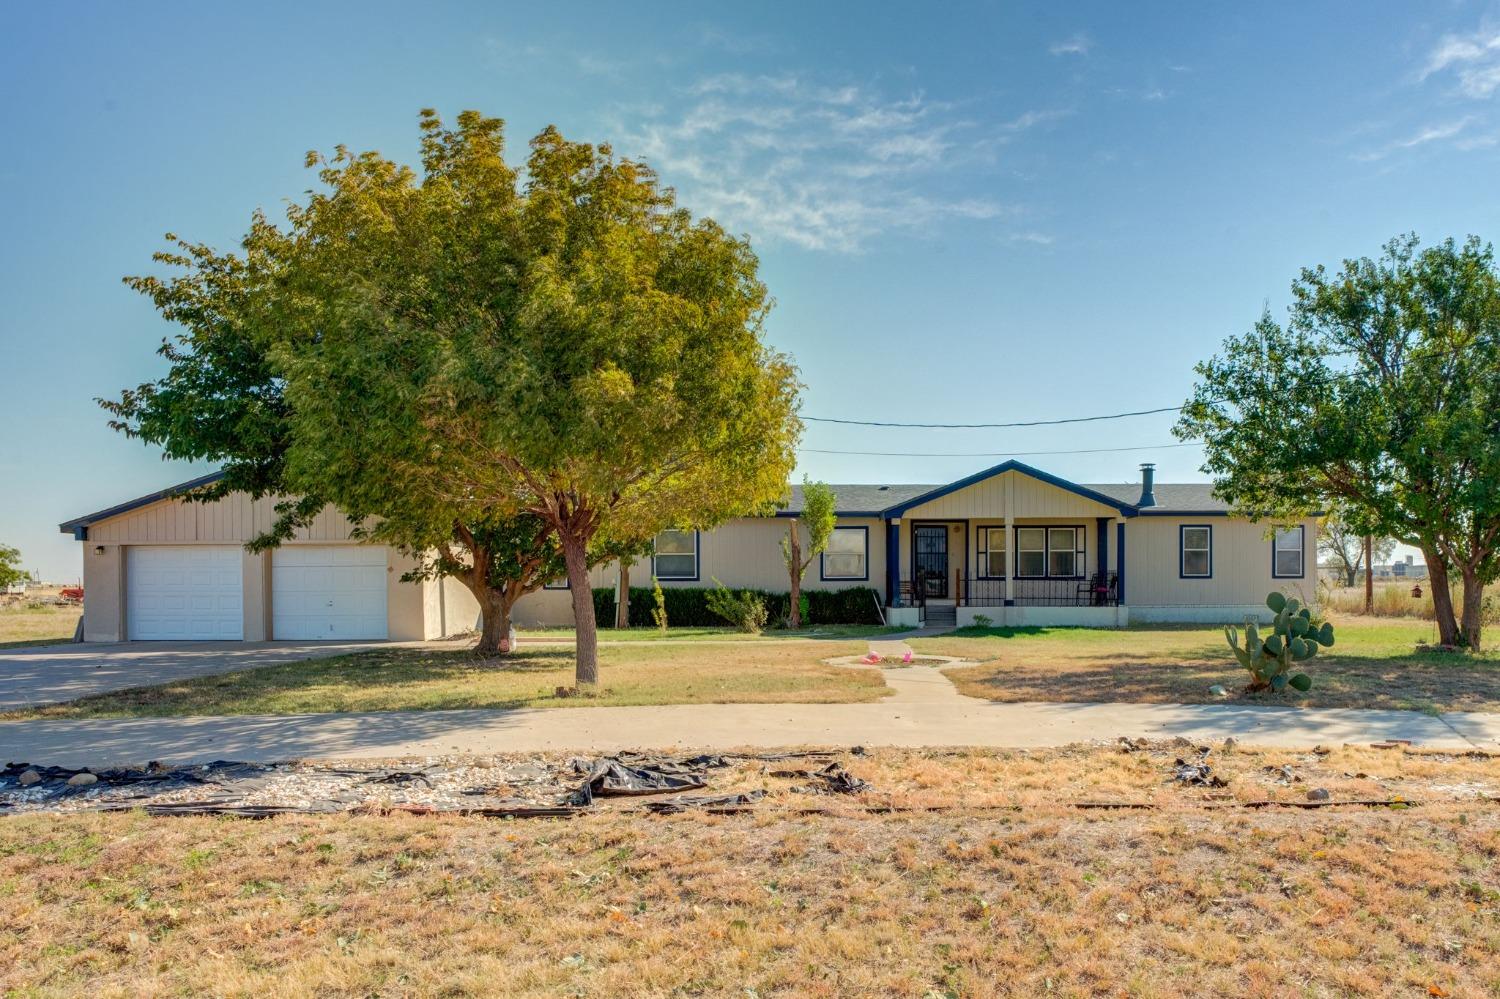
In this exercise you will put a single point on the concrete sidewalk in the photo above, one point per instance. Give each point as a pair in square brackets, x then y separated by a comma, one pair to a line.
[927, 715]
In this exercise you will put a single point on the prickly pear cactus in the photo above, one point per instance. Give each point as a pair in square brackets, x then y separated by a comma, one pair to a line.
[1294, 638]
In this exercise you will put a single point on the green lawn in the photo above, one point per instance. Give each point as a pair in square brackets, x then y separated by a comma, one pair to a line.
[426, 679]
[817, 632]
[1373, 665]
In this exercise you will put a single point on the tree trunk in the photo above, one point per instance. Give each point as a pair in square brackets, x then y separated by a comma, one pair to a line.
[1442, 598]
[1350, 576]
[586, 641]
[1473, 613]
[794, 570]
[1369, 574]
[494, 622]
[622, 598]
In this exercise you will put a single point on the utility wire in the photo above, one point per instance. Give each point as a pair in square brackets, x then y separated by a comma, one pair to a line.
[994, 426]
[993, 454]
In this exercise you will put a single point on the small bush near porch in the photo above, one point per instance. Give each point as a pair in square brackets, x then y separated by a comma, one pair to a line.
[1374, 665]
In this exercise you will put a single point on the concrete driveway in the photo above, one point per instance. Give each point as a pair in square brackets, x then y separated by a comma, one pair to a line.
[48, 673]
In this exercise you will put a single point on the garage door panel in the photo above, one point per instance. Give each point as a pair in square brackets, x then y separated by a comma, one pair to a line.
[184, 593]
[335, 592]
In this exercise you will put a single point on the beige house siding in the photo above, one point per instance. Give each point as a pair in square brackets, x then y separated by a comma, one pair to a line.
[234, 519]
[744, 553]
[1241, 569]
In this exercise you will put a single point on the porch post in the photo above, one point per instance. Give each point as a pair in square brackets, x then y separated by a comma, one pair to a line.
[1010, 556]
[1120, 561]
[893, 563]
[1103, 546]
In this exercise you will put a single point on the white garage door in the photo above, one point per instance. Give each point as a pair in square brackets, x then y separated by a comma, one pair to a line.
[333, 592]
[184, 593]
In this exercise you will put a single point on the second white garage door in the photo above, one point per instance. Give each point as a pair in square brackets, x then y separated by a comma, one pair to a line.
[328, 592]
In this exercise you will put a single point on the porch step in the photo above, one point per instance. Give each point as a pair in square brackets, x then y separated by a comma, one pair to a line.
[941, 614]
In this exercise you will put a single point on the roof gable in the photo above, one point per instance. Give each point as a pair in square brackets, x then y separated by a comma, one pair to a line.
[1012, 465]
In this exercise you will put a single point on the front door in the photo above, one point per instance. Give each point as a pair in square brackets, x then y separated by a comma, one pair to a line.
[930, 559]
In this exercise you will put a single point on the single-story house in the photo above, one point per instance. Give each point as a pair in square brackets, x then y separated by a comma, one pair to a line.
[1012, 543]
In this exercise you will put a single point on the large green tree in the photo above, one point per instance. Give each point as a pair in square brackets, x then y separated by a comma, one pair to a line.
[10, 566]
[1381, 394]
[570, 345]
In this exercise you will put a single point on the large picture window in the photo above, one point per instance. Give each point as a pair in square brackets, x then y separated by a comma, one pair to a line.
[1287, 553]
[847, 554]
[1048, 552]
[1196, 551]
[991, 553]
[676, 555]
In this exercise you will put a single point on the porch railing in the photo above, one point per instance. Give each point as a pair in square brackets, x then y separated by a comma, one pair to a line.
[1098, 590]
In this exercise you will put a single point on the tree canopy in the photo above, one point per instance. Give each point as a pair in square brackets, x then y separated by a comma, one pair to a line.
[10, 566]
[1380, 393]
[465, 344]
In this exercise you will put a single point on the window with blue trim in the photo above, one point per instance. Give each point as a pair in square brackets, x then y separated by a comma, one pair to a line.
[560, 583]
[1287, 553]
[676, 555]
[847, 554]
[1196, 557]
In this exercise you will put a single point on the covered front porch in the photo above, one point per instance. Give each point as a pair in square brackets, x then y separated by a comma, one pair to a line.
[1011, 546]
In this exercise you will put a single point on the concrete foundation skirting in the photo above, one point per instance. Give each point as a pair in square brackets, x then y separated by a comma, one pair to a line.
[1191, 614]
[903, 617]
[1046, 617]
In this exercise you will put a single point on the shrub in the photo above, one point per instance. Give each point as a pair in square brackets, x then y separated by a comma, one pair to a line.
[658, 605]
[742, 608]
[687, 606]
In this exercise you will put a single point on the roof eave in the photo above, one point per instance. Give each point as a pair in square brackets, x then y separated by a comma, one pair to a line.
[83, 523]
[1012, 465]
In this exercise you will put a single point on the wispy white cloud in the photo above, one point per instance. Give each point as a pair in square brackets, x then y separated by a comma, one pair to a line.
[1079, 45]
[822, 166]
[1473, 59]
[1423, 136]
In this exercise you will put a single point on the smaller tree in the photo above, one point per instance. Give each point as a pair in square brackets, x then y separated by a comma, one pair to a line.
[1345, 547]
[10, 566]
[818, 517]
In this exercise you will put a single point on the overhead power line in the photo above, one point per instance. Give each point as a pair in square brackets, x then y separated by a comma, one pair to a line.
[993, 454]
[994, 426]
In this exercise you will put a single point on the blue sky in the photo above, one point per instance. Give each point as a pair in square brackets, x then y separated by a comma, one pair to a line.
[976, 215]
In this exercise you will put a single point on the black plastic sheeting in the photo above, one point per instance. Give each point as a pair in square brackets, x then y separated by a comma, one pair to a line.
[225, 786]
[832, 779]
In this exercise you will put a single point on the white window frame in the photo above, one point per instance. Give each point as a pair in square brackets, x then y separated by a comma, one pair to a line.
[985, 552]
[696, 552]
[864, 555]
[1020, 552]
[1183, 550]
[1071, 551]
[1298, 531]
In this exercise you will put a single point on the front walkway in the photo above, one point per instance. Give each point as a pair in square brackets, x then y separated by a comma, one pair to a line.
[924, 710]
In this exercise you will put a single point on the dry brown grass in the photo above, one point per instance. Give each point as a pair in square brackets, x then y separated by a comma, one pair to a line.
[1374, 664]
[1394, 599]
[1007, 891]
[23, 625]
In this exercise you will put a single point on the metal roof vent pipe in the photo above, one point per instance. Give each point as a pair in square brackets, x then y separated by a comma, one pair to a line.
[1148, 485]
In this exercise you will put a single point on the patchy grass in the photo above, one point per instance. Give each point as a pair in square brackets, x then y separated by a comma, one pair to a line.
[424, 679]
[1004, 888]
[1373, 665]
[817, 632]
[21, 626]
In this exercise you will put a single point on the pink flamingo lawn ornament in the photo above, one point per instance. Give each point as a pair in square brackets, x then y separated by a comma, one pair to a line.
[907, 657]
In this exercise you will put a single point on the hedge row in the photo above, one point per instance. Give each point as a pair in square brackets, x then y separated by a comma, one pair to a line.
[687, 606]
